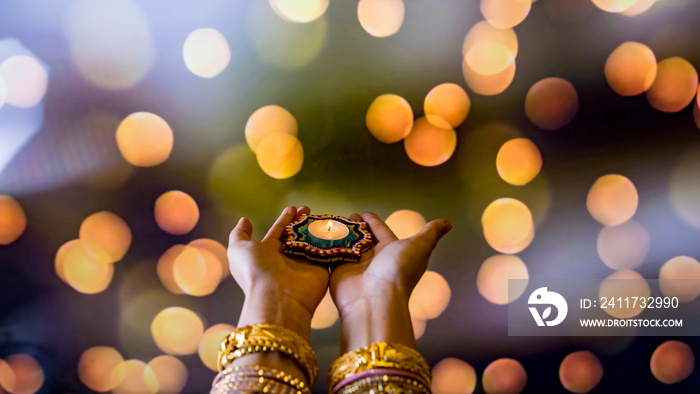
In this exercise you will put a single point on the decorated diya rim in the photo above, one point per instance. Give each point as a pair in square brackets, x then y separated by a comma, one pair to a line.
[298, 242]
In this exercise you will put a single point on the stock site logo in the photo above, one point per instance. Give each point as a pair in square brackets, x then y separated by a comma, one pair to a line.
[543, 297]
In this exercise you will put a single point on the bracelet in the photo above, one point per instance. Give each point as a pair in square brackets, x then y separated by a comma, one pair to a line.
[385, 373]
[378, 355]
[264, 337]
[234, 373]
[245, 374]
[385, 385]
[251, 384]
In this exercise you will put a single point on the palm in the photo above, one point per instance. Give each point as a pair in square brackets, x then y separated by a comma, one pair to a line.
[263, 264]
[390, 264]
[304, 282]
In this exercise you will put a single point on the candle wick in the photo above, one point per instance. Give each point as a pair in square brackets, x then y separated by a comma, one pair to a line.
[329, 226]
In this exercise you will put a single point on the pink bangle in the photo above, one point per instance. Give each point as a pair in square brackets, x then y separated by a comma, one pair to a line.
[379, 372]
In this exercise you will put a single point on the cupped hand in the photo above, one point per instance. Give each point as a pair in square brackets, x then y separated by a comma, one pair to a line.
[378, 287]
[278, 288]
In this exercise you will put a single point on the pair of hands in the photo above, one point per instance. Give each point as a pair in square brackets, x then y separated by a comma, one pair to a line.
[371, 296]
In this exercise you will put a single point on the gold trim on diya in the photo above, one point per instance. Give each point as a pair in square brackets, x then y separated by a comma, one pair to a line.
[327, 239]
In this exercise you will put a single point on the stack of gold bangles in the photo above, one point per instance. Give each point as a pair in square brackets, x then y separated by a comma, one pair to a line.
[380, 368]
[264, 337]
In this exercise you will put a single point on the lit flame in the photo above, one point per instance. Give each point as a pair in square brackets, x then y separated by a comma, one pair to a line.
[329, 226]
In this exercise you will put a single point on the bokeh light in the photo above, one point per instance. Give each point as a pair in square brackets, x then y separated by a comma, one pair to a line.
[428, 144]
[177, 330]
[267, 120]
[210, 343]
[489, 57]
[675, 85]
[176, 212]
[447, 101]
[108, 232]
[623, 284]
[7, 377]
[624, 246]
[134, 381]
[389, 118]
[105, 52]
[696, 112]
[381, 18]
[504, 375]
[165, 375]
[405, 223]
[197, 271]
[614, 5]
[488, 85]
[580, 372]
[101, 368]
[672, 362]
[630, 69]
[217, 249]
[280, 155]
[165, 268]
[551, 103]
[326, 313]
[25, 81]
[508, 225]
[680, 277]
[206, 52]
[430, 297]
[492, 279]
[612, 200]
[87, 268]
[684, 188]
[144, 139]
[299, 11]
[452, 375]
[13, 221]
[639, 7]
[483, 31]
[505, 14]
[518, 161]
[28, 374]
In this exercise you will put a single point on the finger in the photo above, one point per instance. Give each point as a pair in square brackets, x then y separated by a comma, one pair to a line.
[432, 232]
[242, 232]
[380, 230]
[355, 217]
[303, 210]
[277, 229]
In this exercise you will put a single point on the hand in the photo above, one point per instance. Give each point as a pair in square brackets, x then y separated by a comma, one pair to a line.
[278, 289]
[372, 295]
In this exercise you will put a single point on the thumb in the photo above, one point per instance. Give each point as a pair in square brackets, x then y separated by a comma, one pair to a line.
[432, 232]
[242, 232]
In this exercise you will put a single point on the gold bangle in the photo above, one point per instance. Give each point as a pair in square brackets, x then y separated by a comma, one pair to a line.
[239, 373]
[264, 337]
[250, 384]
[385, 385]
[378, 355]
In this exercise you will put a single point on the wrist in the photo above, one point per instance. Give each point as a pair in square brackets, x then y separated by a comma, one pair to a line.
[271, 305]
[380, 318]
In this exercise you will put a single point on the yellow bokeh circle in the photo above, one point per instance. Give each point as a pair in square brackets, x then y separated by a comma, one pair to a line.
[144, 139]
[280, 155]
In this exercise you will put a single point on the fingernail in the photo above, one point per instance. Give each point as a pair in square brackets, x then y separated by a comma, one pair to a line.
[289, 210]
[446, 227]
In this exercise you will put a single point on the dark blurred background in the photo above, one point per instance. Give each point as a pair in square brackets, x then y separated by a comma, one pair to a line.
[105, 61]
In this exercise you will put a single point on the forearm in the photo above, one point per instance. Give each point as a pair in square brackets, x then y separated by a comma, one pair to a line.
[269, 306]
[377, 319]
